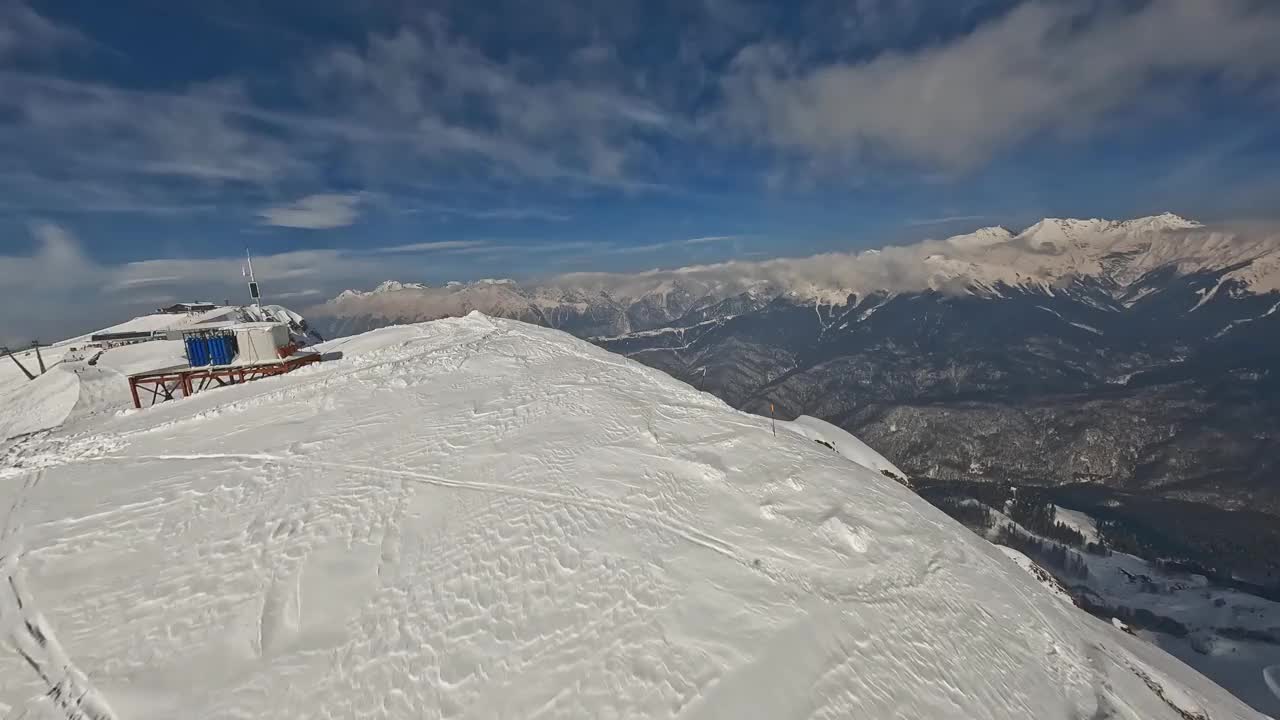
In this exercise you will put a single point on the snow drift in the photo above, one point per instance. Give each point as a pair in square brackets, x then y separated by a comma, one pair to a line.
[481, 518]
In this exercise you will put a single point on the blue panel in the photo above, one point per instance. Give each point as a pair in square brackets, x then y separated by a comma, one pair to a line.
[210, 349]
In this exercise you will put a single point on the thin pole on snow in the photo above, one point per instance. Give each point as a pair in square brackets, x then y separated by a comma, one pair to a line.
[774, 420]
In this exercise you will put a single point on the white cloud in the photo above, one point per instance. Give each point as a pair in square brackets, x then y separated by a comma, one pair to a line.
[315, 212]
[421, 247]
[527, 213]
[655, 247]
[396, 106]
[131, 283]
[922, 222]
[423, 82]
[298, 294]
[62, 292]
[417, 101]
[709, 239]
[41, 291]
[501, 213]
[24, 32]
[208, 136]
[1043, 67]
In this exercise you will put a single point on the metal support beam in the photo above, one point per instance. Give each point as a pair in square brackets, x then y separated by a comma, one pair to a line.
[36, 344]
[168, 384]
[21, 367]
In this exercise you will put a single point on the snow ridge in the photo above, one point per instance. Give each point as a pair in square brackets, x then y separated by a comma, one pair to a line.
[483, 518]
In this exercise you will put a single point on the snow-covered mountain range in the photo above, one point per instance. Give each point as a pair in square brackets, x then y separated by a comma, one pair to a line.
[482, 518]
[1119, 258]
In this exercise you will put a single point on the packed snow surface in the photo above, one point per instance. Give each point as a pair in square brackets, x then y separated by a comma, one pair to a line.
[483, 519]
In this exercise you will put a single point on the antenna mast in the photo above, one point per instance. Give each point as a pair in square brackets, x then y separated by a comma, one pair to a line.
[254, 292]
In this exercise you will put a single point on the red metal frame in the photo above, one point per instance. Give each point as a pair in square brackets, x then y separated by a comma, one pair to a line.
[168, 383]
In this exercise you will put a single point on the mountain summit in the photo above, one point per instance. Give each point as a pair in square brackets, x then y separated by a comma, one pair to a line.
[482, 518]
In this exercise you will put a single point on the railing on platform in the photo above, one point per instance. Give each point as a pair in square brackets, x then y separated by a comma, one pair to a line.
[171, 383]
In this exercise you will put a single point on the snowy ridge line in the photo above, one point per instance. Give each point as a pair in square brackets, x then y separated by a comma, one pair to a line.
[1175, 699]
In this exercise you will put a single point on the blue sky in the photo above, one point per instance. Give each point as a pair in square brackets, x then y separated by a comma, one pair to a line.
[147, 143]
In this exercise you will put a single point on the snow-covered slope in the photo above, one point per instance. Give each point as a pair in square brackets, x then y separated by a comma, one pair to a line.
[477, 518]
[842, 442]
[37, 404]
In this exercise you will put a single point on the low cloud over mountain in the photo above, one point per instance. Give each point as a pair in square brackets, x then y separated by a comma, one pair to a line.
[1047, 254]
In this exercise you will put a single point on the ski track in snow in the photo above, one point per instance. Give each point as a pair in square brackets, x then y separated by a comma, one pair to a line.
[480, 519]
